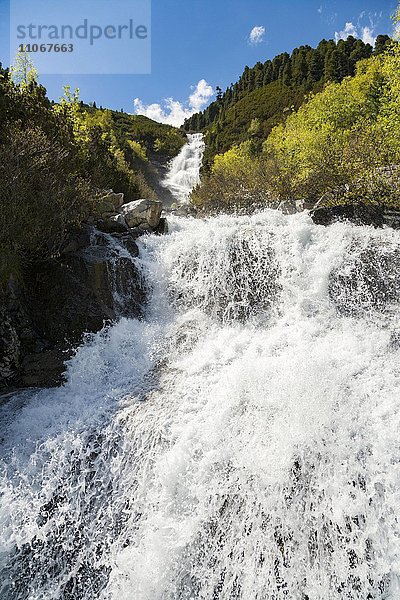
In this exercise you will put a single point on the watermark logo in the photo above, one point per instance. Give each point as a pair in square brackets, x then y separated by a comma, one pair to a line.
[83, 37]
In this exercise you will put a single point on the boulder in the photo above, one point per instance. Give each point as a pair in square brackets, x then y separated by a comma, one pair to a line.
[141, 212]
[130, 244]
[135, 232]
[110, 203]
[162, 227]
[127, 239]
[287, 207]
[359, 214]
[116, 199]
[113, 224]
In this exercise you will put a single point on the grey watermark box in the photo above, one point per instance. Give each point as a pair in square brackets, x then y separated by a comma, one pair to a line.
[83, 37]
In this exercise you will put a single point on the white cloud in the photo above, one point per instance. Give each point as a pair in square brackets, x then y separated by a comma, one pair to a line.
[173, 112]
[349, 29]
[201, 95]
[256, 35]
[319, 9]
[366, 33]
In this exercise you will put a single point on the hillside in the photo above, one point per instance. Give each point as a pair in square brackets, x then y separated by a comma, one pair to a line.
[157, 139]
[267, 91]
[339, 147]
[254, 115]
[143, 141]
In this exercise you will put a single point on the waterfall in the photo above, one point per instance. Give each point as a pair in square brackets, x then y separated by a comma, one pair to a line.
[184, 172]
[239, 443]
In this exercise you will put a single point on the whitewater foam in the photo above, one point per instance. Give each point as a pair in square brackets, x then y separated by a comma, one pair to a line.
[239, 443]
[184, 172]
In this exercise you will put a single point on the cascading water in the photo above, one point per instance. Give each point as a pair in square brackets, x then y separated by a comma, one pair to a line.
[184, 172]
[240, 443]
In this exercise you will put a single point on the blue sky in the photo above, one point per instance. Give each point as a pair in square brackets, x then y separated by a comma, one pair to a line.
[196, 40]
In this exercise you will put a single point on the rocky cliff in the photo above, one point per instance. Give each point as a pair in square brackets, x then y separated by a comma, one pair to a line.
[93, 281]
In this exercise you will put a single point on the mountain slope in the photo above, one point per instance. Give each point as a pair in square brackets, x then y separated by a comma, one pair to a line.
[267, 91]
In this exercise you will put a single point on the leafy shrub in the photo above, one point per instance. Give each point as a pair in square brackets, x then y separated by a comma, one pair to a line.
[41, 197]
[42, 194]
[238, 179]
[138, 150]
[342, 138]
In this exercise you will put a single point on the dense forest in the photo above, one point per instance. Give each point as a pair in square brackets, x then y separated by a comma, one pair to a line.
[57, 161]
[260, 99]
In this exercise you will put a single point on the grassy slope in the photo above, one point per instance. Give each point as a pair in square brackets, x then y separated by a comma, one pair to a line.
[268, 104]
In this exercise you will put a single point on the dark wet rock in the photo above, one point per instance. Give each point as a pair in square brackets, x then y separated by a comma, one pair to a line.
[114, 224]
[77, 241]
[145, 228]
[43, 320]
[287, 207]
[162, 227]
[391, 218]
[359, 214]
[128, 241]
[129, 288]
[43, 369]
[394, 343]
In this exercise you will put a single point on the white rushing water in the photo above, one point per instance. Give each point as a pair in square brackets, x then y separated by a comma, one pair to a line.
[184, 171]
[240, 443]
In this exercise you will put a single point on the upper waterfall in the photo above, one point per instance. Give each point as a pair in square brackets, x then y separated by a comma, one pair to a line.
[184, 172]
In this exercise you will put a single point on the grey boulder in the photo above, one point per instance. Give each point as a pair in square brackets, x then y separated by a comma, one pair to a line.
[140, 212]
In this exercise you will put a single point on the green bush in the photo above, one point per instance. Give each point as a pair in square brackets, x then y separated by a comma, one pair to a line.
[342, 139]
[42, 193]
[238, 179]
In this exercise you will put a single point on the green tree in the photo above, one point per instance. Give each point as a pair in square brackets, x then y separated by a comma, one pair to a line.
[382, 43]
[23, 71]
